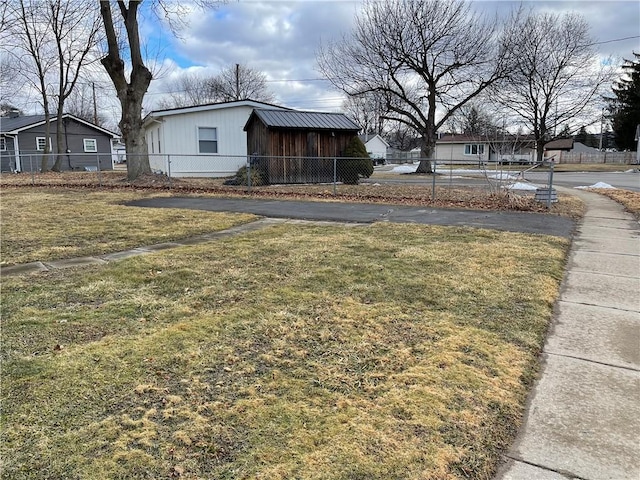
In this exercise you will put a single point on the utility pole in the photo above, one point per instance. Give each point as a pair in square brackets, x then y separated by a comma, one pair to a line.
[601, 128]
[237, 81]
[95, 104]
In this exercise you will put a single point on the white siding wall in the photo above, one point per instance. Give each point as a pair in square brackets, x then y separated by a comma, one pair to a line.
[376, 148]
[179, 139]
[455, 151]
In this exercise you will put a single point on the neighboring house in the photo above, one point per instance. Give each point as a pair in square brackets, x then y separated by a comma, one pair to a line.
[200, 141]
[508, 149]
[119, 151]
[376, 146]
[556, 148]
[283, 140]
[22, 142]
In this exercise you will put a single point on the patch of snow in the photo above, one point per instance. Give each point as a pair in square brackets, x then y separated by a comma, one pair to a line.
[521, 186]
[405, 168]
[596, 185]
[501, 176]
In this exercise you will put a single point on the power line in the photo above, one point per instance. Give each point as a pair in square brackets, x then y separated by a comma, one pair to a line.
[612, 41]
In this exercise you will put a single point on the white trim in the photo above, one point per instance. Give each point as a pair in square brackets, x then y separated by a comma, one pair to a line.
[16, 152]
[471, 145]
[213, 106]
[95, 145]
[198, 127]
[38, 149]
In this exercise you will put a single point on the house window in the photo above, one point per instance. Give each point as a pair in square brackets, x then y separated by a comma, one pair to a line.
[90, 145]
[3, 144]
[207, 140]
[474, 149]
[41, 142]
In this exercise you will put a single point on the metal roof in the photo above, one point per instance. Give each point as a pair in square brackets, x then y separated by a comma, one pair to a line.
[304, 120]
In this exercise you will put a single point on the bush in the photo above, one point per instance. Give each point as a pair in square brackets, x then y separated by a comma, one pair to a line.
[350, 171]
[257, 177]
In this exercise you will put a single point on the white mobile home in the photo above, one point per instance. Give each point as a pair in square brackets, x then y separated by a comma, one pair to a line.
[200, 141]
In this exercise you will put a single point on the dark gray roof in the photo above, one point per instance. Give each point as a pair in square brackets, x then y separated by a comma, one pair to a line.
[559, 144]
[304, 120]
[13, 124]
[8, 124]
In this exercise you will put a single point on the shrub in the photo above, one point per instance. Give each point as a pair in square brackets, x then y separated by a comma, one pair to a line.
[350, 171]
[257, 177]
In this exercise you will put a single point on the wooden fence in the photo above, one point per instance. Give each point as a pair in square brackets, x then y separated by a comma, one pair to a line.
[598, 157]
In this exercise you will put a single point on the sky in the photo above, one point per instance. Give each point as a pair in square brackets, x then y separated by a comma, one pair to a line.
[281, 38]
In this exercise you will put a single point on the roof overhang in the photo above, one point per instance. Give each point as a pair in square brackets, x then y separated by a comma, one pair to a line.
[66, 115]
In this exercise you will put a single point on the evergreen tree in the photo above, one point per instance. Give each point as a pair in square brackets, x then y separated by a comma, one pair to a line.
[625, 107]
[565, 132]
[357, 165]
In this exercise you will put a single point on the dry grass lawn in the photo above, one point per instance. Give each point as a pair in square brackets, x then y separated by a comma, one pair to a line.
[630, 200]
[39, 224]
[311, 352]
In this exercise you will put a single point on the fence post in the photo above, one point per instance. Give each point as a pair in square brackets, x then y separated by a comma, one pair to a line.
[433, 182]
[169, 170]
[98, 171]
[335, 175]
[550, 184]
[33, 177]
[248, 174]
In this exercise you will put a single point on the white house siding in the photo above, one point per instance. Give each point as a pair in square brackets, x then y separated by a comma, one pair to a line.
[455, 151]
[175, 137]
[376, 147]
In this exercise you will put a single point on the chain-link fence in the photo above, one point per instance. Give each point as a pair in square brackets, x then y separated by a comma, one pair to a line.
[315, 175]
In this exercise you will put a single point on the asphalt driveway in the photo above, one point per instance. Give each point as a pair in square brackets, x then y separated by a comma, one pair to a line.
[368, 213]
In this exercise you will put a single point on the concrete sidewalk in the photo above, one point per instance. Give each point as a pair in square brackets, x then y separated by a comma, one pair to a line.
[583, 416]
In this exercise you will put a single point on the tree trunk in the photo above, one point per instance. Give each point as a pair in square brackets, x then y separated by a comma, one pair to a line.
[59, 144]
[426, 154]
[130, 94]
[540, 150]
[134, 140]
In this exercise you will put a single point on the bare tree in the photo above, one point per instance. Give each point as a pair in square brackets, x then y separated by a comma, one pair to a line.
[188, 90]
[131, 83]
[368, 110]
[76, 33]
[27, 42]
[431, 57]
[81, 104]
[9, 73]
[130, 90]
[240, 82]
[471, 119]
[555, 75]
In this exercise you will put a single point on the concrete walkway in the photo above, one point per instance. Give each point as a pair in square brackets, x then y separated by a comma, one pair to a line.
[36, 267]
[583, 416]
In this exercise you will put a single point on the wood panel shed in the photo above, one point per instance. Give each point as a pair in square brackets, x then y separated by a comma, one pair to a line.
[296, 146]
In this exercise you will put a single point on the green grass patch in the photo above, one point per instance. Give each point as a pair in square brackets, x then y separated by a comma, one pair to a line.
[39, 224]
[298, 351]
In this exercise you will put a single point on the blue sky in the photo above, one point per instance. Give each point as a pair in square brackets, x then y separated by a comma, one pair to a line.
[281, 38]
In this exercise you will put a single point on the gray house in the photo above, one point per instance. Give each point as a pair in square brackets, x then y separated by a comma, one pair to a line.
[22, 142]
